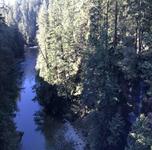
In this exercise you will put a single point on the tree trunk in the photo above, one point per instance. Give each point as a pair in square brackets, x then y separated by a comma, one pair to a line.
[107, 23]
[116, 25]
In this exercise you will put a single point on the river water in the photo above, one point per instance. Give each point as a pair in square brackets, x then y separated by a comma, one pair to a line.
[47, 134]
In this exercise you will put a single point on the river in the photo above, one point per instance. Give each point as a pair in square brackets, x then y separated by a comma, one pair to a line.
[49, 134]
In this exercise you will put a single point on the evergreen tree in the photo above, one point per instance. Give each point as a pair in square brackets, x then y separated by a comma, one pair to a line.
[93, 53]
[140, 137]
[24, 16]
[11, 49]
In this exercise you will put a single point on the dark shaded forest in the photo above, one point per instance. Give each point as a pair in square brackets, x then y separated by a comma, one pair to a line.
[11, 50]
[94, 68]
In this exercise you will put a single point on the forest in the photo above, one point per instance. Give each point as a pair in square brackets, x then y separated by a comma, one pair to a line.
[92, 80]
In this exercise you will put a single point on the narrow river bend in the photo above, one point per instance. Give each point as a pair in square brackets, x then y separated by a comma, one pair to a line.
[51, 134]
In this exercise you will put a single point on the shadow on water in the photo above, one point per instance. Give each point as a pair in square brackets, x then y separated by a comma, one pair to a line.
[59, 135]
[47, 96]
[41, 132]
[54, 131]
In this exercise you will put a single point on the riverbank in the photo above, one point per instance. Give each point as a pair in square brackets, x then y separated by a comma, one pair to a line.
[41, 131]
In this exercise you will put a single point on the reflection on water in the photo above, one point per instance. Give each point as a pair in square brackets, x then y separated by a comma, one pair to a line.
[40, 131]
[59, 135]
[32, 140]
[52, 129]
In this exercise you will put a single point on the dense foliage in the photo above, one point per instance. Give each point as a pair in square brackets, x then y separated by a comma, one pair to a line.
[140, 138]
[23, 14]
[11, 49]
[97, 53]
[94, 62]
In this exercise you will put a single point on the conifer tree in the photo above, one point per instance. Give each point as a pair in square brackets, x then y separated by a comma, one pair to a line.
[140, 137]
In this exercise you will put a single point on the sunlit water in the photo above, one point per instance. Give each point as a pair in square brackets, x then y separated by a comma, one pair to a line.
[50, 134]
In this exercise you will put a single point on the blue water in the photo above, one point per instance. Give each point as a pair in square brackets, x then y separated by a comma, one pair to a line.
[32, 139]
[52, 134]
